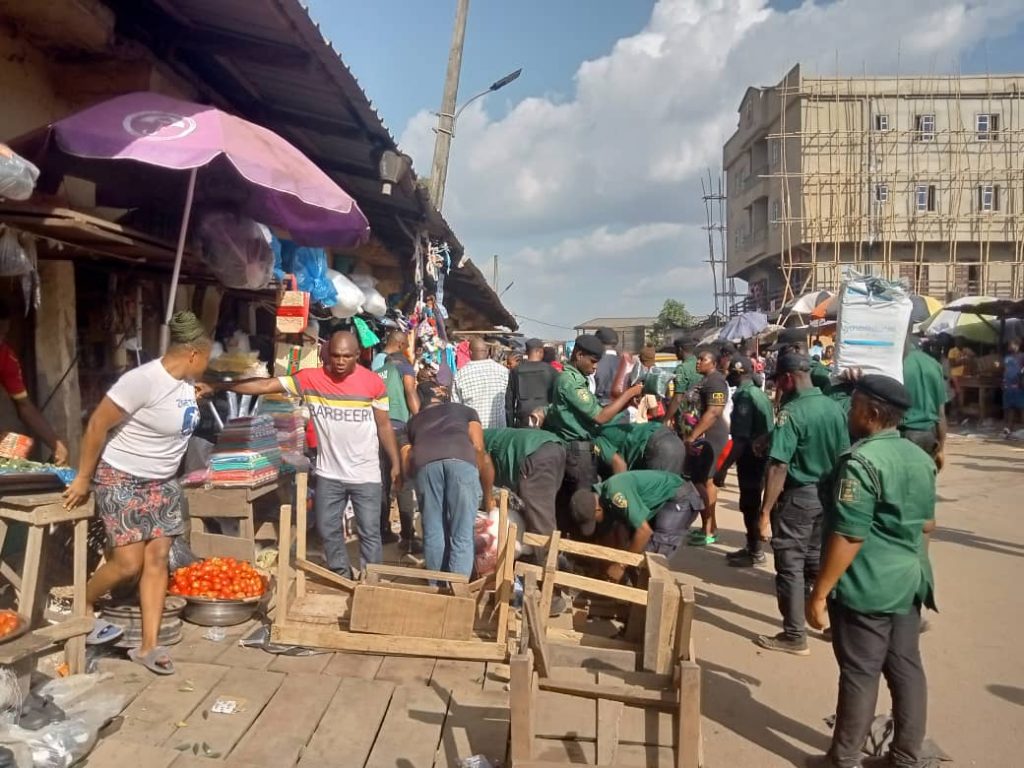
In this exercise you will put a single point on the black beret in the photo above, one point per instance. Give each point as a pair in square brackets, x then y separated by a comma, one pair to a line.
[582, 506]
[534, 344]
[590, 344]
[607, 336]
[791, 362]
[741, 365]
[884, 389]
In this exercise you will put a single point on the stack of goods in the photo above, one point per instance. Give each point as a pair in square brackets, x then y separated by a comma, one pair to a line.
[289, 424]
[15, 446]
[247, 453]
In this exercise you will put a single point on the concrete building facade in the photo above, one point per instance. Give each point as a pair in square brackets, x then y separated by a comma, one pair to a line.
[920, 178]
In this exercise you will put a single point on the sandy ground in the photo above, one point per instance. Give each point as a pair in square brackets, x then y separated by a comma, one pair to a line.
[767, 709]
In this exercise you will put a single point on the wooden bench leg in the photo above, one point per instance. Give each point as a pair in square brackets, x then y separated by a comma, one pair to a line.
[689, 749]
[74, 649]
[28, 600]
[521, 707]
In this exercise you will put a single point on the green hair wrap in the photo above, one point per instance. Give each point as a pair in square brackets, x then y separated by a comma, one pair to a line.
[185, 328]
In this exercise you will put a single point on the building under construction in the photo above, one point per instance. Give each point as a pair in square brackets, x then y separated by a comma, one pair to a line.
[919, 178]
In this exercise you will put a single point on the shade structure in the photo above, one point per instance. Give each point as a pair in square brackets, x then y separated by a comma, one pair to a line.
[924, 307]
[829, 308]
[805, 304]
[744, 326]
[950, 320]
[139, 148]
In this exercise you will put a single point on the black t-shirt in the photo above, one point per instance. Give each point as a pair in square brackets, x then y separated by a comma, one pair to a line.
[441, 432]
[530, 386]
[714, 391]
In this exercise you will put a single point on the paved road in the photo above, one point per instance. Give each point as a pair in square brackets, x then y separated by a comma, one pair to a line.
[764, 710]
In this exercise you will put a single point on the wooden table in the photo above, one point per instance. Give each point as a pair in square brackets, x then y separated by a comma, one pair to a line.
[984, 386]
[206, 503]
[39, 511]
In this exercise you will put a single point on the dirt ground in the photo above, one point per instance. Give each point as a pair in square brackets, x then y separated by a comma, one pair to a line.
[766, 709]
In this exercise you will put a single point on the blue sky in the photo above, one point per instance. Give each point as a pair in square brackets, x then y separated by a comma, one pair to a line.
[583, 175]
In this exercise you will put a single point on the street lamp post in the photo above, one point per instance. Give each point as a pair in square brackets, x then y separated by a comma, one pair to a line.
[445, 131]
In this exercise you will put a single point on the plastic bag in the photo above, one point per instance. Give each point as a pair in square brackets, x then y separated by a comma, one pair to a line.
[18, 176]
[14, 259]
[350, 298]
[309, 265]
[373, 301]
[485, 541]
[874, 316]
[236, 249]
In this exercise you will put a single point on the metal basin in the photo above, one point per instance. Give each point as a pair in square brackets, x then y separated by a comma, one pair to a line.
[208, 612]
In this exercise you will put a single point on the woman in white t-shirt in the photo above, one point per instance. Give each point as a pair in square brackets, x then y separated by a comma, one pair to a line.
[131, 451]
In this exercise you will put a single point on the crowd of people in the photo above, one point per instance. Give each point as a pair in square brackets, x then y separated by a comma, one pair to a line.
[836, 474]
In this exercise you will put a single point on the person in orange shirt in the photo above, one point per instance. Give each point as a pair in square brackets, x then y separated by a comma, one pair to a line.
[13, 382]
[960, 360]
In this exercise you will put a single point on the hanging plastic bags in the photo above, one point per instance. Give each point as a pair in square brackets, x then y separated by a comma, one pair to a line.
[309, 265]
[236, 249]
[350, 298]
[17, 175]
[14, 259]
[373, 301]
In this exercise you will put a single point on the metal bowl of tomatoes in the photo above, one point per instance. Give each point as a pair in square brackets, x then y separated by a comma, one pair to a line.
[219, 591]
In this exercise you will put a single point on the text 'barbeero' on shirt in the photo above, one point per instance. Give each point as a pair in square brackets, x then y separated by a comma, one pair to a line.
[342, 414]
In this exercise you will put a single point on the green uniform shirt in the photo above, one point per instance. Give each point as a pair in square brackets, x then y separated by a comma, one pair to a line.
[752, 412]
[922, 376]
[686, 376]
[821, 376]
[842, 395]
[638, 495]
[810, 433]
[573, 407]
[884, 494]
[627, 440]
[509, 447]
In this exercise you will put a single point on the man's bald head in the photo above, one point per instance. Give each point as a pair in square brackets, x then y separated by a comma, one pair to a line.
[397, 340]
[479, 350]
[342, 354]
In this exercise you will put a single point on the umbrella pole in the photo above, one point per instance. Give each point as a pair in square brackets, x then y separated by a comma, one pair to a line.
[165, 333]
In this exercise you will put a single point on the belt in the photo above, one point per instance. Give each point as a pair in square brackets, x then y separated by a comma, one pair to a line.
[797, 487]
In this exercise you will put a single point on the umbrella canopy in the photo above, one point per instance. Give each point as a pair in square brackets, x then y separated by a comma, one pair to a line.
[983, 329]
[806, 303]
[269, 179]
[923, 307]
[828, 308]
[744, 326]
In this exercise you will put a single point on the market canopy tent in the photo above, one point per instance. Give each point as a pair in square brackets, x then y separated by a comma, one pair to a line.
[744, 326]
[146, 148]
[959, 318]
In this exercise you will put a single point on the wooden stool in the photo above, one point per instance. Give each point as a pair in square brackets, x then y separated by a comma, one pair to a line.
[232, 503]
[39, 511]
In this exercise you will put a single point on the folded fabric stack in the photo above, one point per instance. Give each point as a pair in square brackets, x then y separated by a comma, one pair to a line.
[247, 453]
[289, 424]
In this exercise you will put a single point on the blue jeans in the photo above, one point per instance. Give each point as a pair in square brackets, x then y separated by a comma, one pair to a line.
[329, 507]
[449, 493]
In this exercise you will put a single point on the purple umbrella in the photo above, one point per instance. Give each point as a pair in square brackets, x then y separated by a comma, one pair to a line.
[267, 177]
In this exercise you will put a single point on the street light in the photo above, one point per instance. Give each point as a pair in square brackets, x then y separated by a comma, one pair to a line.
[446, 132]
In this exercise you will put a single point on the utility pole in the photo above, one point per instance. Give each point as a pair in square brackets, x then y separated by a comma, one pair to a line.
[494, 280]
[446, 117]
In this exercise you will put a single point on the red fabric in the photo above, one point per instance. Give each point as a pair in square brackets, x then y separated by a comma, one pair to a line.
[558, 366]
[461, 354]
[10, 373]
[723, 456]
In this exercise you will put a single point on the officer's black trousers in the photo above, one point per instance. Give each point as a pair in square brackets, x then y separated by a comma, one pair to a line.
[540, 477]
[796, 542]
[926, 440]
[866, 647]
[580, 472]
[750, 471]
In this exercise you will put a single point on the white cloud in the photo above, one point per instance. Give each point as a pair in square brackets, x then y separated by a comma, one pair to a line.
[614, 167]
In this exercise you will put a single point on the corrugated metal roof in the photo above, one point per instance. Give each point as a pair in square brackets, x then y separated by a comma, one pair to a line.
[617, 322]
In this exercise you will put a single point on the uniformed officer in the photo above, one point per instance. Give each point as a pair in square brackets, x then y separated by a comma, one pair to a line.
[651, 445]
[655, 509]
[876, 575]
[925, 420]
[531, 463]
[751, 425]
[795, 340]
[685, 378]
[810, 433]
[706, 442]
[575, 415]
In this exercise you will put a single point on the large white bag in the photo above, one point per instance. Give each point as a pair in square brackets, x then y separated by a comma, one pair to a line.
[350, 297]
[874, 316]
[373, 300]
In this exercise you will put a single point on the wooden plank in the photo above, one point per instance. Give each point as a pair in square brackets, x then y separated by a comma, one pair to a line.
[609, 715]
[301, 502]
[29, 603]
[252, 690]
[191, 761]
[477, 724]
[196, 648]
[503, 592]
[646, 756]
[689, 746]
[116, 753]
[550, 569]
[573, 637]
[583, 549]
[235, 655]
[127, 678]
[340, 640]
[406, 670]
[223, 502]
[661, 625]
[384, 611]
[558, 714]
[152, 718]
[684, 633]
[456, 675]
[286, 724]
[346, 733]
[320, 608]
[216, 545]
[74, 650]
[551, 752]
[523, 707]
[598, 587]
[587, 656]
[628, 694]
[301, 564]
[310, 665]
[359, 665]
[419, 574]
[284, 549]
[535, 631]
[411, 729]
